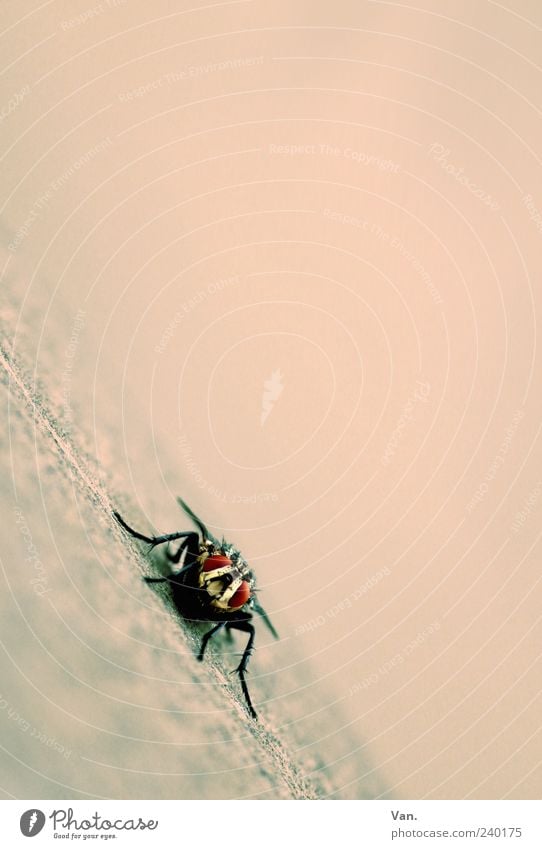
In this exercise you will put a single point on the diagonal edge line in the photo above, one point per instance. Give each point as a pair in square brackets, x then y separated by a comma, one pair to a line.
[299, 785]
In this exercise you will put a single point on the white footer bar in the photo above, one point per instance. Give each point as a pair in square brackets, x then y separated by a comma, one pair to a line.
[273, 825]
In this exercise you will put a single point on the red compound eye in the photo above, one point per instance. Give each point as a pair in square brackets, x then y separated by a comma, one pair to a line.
[216, 561]
[241, 596]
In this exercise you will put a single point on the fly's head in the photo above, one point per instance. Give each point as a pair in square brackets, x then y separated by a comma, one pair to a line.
[225, 576]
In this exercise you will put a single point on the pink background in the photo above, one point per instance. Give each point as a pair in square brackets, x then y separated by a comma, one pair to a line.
[251, 188]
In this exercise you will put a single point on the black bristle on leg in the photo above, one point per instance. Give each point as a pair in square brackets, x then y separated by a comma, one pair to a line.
[207, 637]
[246, 694]
[246, 626]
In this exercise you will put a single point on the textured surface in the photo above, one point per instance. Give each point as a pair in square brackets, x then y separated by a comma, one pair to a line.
[281, 259]
[101, 694]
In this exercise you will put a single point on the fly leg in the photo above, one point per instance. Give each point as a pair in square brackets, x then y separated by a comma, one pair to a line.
[247, 627]
[153, 541]
[207, 637]
[190, 545]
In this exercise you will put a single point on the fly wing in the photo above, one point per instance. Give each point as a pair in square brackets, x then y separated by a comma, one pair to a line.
[259, 609]
[203, 530]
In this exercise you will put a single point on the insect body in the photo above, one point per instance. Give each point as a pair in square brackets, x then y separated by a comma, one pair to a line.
[214, 584]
